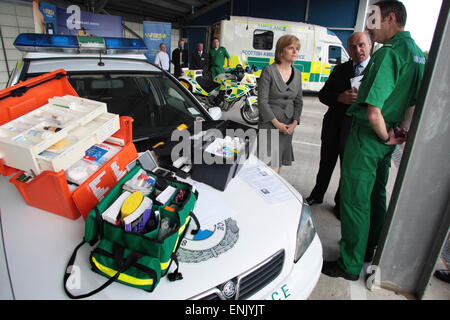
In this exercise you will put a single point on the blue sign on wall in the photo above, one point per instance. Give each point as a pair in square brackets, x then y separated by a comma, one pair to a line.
[49, 25]
[75, 22]
[156, 33]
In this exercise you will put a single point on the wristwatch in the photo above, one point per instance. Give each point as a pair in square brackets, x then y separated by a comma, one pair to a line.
[385, 141]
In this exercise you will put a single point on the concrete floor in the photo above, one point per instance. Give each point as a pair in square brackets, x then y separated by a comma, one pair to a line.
[302, 175]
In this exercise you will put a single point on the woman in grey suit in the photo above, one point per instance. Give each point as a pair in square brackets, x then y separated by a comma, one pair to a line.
[280, 102]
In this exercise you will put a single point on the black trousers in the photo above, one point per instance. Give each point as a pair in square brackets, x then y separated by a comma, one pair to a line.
[335, 129]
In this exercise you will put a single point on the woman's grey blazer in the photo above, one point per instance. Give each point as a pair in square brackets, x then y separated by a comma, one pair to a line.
[278, 100]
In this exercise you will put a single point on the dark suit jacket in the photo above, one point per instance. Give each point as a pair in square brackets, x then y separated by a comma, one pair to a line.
[278, 100]
[176, 60]
[200, 62]
[338, 82]
[336, 125]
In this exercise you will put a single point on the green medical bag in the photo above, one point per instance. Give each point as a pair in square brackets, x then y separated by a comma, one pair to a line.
[135, 259]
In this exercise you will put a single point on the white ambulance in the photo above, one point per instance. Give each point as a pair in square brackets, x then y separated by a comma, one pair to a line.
[256, 38]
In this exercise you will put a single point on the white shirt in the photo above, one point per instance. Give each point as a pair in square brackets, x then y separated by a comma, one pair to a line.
[162, 60]
[362, 65]
[355, 82]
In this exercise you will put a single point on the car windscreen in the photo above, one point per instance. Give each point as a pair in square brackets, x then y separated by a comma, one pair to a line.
[155, 102]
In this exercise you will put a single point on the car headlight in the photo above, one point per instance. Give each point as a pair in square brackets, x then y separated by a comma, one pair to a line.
[305, 232]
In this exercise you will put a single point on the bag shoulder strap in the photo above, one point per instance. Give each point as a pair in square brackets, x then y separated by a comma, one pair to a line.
[174, 276]
[197, 223]
[131, 259]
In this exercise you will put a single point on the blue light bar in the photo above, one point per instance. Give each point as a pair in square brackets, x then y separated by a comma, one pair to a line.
[67, 43]
[33, 41]
[125, 44]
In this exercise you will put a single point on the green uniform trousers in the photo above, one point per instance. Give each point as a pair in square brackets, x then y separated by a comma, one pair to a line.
[215, 70]
[365, 171]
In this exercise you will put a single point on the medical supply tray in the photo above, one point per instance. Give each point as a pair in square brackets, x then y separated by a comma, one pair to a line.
[53, 136]
[49, 190]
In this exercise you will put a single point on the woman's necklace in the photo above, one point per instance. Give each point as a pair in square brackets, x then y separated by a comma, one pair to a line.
[285, 71]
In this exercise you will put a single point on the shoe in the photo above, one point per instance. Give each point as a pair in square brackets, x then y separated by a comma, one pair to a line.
[369, 255]
[312, 201]
[332, 269]
[337, 212]
[443, 275]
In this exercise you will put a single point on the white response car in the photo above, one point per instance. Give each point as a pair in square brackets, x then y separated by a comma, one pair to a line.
[263, 249]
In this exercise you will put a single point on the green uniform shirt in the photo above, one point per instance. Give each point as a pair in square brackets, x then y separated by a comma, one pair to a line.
[217, 57]
[391, 81]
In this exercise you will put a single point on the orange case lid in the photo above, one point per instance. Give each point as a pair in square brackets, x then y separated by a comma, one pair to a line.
[28, 95]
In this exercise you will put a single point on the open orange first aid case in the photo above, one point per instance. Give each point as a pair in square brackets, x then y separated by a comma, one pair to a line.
[89, 124]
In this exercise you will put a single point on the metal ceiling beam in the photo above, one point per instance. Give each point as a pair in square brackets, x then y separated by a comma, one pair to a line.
[206, 9]
[196, 3]
[66, 3]
[90, 5]
[141, 8]
[99, 5]
[185, 6]
[135, 15]
[209, 7]
[126, 16]
[146, 11]
[166, 6]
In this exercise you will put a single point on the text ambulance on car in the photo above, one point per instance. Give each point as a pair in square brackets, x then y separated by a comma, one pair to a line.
[262, 251]
[256, 38]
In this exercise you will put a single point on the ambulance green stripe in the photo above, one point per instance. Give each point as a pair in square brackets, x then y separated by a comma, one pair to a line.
[303, 66]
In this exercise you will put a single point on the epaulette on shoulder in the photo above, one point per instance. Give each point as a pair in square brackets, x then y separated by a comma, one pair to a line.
[387, 46]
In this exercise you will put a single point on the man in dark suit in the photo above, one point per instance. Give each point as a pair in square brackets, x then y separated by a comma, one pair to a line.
[200, 60]
[179, 58]
[338, 95]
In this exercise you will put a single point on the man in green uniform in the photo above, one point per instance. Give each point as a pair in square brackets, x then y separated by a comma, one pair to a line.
[217, 56]
[385, 103]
